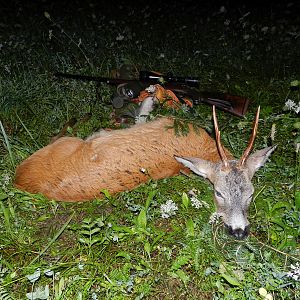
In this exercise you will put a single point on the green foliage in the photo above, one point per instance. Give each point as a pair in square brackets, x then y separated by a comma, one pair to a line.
[90, 232]
[185, 200]
[4, 295]
[120, 247]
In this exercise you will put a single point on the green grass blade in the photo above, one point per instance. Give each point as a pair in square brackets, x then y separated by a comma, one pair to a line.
[27, 130]
[53, 239]
[6, 215]
[7, 144]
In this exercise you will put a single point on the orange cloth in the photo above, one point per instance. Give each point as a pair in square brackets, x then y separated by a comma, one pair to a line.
[166, 97]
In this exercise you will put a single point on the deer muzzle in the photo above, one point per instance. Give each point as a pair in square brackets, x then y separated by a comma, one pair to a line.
[238, 233]
[236, 223]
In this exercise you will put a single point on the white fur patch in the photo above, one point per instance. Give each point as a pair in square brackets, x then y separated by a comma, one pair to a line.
[238, 221]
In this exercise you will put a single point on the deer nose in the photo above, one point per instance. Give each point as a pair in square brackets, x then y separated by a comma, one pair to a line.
[238, 233]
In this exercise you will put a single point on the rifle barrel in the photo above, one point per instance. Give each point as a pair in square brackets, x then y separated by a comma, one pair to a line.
[145, 77]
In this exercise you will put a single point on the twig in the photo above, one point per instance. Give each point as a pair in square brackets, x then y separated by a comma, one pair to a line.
[276, 250]
[69, 37]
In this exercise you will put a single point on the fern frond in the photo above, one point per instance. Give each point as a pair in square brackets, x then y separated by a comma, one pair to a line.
[4, 294]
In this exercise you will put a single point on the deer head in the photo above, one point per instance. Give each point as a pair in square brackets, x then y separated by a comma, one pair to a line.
[232, 180]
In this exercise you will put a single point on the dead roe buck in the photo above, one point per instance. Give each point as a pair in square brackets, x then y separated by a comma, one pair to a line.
[72, 169]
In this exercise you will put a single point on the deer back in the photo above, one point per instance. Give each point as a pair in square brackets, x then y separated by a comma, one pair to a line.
[72, 169]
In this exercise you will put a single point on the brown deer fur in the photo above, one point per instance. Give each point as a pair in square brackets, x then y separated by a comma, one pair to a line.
[72, 169]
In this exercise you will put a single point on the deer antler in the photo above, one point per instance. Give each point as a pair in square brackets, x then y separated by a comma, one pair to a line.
[218, 139]
[252, 138]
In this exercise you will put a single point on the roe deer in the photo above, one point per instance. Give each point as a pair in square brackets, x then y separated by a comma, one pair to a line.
[72, 169]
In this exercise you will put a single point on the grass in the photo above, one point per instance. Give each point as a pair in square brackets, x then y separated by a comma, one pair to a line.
[120, 247]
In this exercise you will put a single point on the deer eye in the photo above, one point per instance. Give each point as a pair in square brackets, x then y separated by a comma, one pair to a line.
[218, 194]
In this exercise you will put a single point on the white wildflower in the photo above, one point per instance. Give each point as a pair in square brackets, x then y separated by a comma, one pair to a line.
[120, 37]
[289, 104]
[295, 272]
[196, 202]
[213, 219]
[80, 266]
[169, 209]
[226, 22]
[223, 9]
[94, 296]
[265, 29]
[246, 37]
[5, 179]
[161, 55]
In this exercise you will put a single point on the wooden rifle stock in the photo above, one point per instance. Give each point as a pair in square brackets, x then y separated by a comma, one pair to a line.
[233, 104]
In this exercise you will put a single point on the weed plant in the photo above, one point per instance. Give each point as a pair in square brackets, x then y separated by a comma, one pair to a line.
[159, 240]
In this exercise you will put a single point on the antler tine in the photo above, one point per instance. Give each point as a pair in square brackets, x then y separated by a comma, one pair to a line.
[252, 138]
[218, 139]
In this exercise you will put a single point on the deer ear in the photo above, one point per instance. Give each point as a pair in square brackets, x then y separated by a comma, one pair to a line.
[199, 166]
[258, 159]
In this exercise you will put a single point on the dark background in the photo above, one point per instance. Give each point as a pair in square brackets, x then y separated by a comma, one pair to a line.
[163, 12]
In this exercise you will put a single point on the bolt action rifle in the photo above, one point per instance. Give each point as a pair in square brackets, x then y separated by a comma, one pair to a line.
[183, 87]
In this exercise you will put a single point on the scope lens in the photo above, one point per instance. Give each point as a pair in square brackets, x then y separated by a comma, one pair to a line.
[129, 93]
